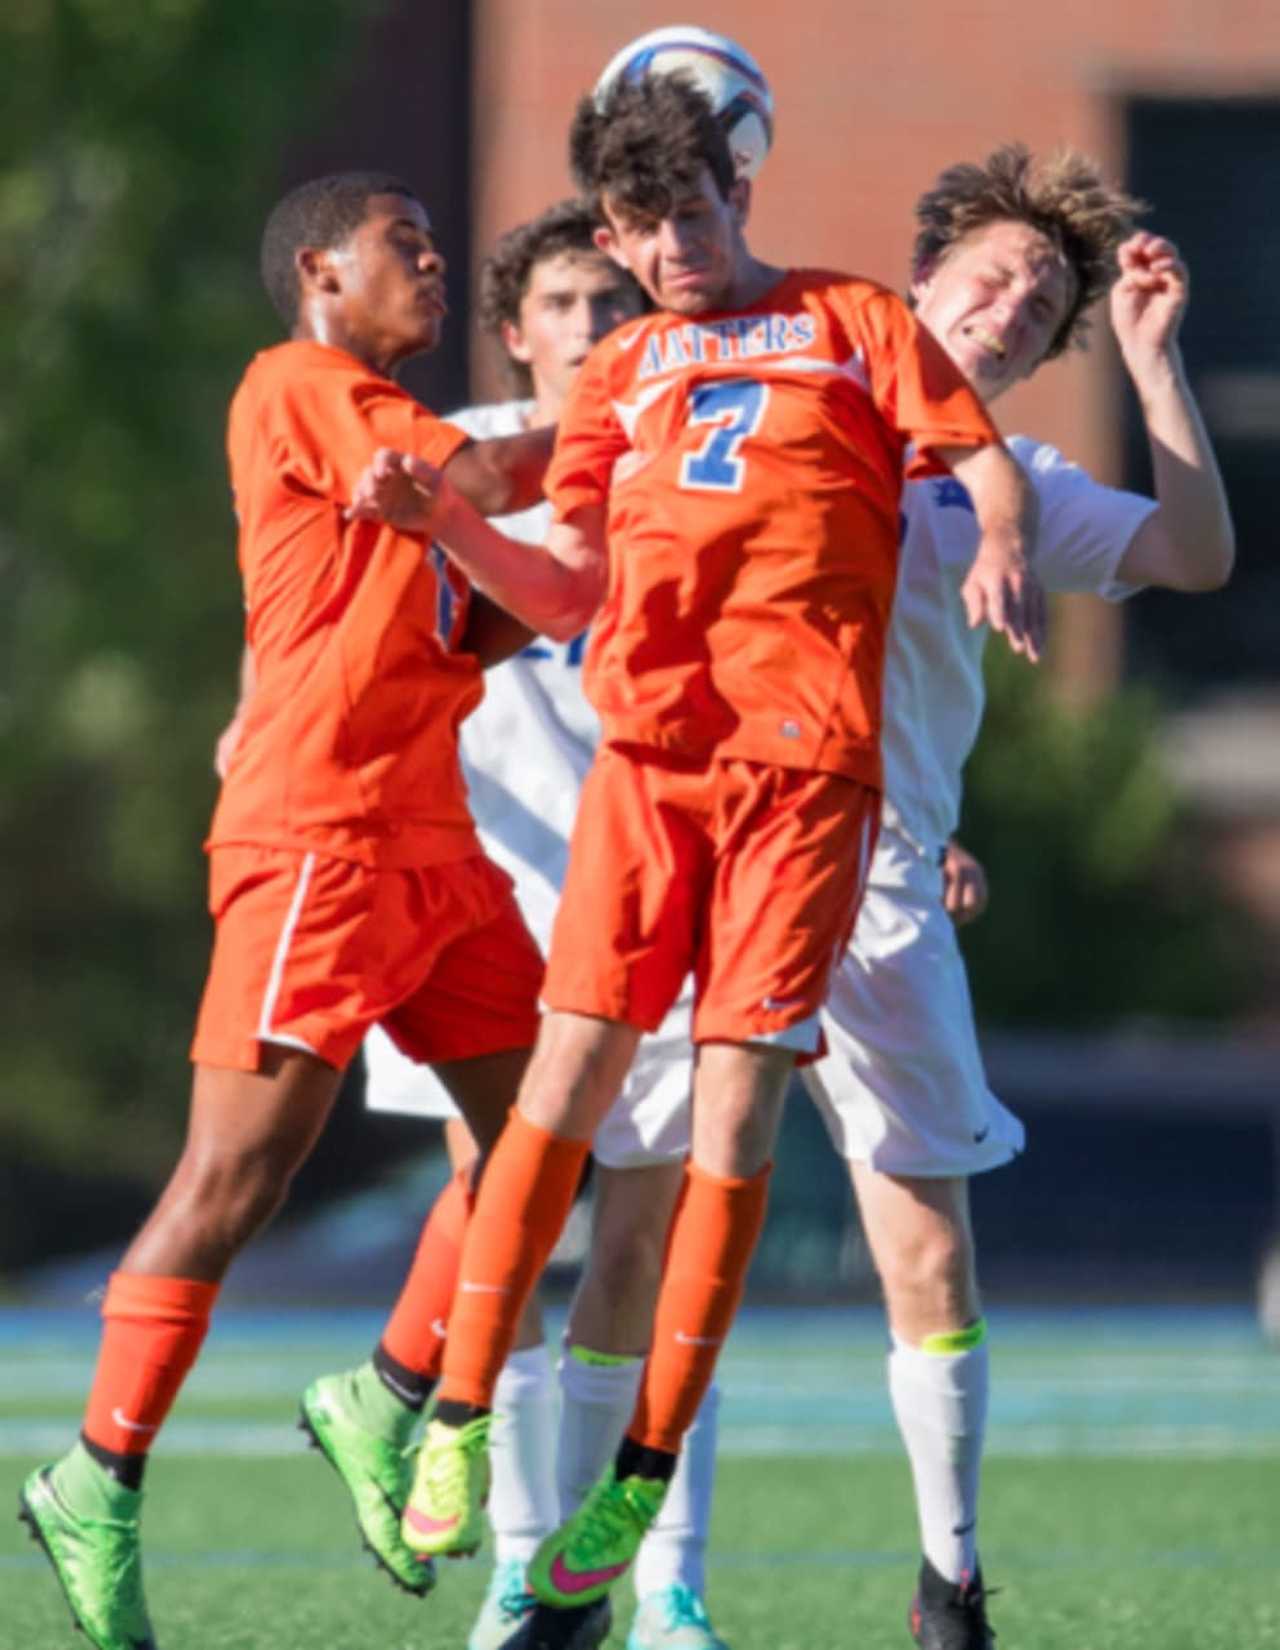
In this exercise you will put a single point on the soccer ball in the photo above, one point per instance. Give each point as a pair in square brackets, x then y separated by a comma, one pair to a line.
[718, 66]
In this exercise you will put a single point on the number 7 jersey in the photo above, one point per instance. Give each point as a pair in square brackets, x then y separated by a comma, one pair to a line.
[752, 465]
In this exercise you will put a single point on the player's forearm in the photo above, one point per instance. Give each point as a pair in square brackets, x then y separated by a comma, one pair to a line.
[503, 474]
[1193, 518]
[1000, 588]
[1002, 497]
[526, 579]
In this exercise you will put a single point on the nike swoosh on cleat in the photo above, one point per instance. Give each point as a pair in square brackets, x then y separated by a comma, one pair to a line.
[427, 1525]
[568, 1581]
[398, 1387]
[122, 1420]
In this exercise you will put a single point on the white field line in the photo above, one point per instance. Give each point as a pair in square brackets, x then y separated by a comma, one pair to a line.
[39, 1436]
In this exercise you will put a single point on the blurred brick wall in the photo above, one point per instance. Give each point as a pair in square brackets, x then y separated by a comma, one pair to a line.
[872, 101]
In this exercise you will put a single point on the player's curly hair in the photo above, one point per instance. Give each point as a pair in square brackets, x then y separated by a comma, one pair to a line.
[567, 227]
[648, 144]
[320, 213]
[1065, 197]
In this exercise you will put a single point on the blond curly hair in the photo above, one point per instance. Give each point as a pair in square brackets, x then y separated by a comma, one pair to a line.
[1065, 198]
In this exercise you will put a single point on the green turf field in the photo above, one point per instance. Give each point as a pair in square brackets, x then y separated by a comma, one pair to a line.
[1132, 1494]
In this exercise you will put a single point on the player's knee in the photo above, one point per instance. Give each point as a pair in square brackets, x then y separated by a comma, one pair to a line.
[933, 1269]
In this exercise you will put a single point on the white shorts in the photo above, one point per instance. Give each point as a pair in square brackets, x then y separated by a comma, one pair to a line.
[648, 1123]
[902, 1086]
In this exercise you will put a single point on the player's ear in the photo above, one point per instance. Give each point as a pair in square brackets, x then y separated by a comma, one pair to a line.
[739, 198]
[922, 279]
[607, 242]
[513, 341]
[316, 271]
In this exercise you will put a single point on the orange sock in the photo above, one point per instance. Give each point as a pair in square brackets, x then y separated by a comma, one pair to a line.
[415, 1331]
[525, 1196]
[152, 1330]
[713, 1237]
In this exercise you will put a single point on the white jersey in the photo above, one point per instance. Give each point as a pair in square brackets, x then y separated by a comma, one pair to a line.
[933, 687]
[528, 744]
[525, 750]
[902, 1087]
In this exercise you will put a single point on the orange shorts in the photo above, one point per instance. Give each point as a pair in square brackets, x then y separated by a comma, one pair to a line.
[310, 951]
[748, 875]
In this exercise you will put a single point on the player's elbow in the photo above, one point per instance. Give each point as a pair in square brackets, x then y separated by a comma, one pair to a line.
[1205, 566]
[570, 619]
[483, 474]
[491, 490]
[573, 599]
[1190, 557]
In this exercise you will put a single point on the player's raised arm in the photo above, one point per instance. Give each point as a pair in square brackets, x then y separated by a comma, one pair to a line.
[1000, 589]
[555, 588]
[1188, 543]
[503, 474]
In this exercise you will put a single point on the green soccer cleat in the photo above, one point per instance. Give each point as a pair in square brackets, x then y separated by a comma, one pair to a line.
[673, 1618]
[444, 1514]
[98, 1562]
[507, 1603]
[580, 1561]
[375, 1470]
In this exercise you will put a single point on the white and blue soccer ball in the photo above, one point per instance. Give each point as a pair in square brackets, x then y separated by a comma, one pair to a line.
[728, 75]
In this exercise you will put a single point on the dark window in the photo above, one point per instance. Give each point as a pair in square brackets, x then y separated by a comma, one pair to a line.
[1211, 171]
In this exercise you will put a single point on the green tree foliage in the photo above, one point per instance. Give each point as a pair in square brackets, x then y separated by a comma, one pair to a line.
[141, 143]
[1102, 909]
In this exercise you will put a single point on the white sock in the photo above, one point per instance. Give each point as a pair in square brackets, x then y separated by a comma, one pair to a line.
[522, 1500]
[940, 1399]
[597, 1400]
[675, 1548]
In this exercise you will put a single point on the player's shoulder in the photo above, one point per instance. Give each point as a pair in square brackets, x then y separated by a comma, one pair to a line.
[1047, 467]
[301, 371]
[296, 358]
[488, 419]
[842, 289]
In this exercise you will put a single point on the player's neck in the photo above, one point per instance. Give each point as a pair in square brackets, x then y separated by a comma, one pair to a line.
[381, 356]
[545, 411]
[754, 279]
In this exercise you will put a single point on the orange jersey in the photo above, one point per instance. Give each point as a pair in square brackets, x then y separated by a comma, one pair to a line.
[350, 739]
[753, 464]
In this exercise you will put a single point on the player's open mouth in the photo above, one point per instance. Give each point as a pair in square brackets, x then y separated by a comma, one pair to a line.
[992, 345]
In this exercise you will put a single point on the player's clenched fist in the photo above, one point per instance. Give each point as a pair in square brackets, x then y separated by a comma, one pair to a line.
[964, 885]
[405, 492]
[1149, 297]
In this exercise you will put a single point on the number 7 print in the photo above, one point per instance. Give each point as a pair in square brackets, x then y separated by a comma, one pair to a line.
[735, 406]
